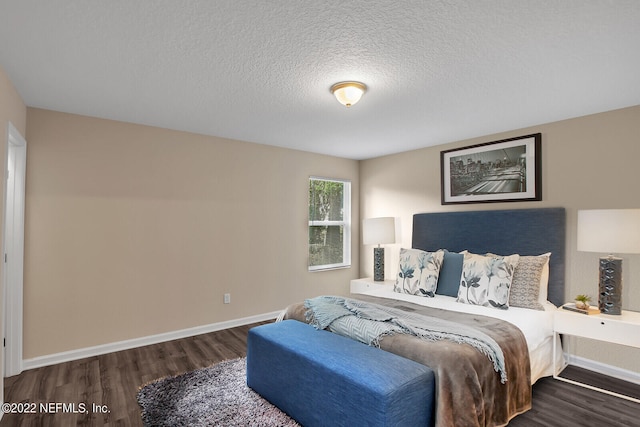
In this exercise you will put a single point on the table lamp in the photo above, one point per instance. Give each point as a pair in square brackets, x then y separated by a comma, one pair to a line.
[609, 231]
[377, 231]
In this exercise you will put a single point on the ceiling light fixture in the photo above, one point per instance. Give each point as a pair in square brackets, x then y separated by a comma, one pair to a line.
[348, 93]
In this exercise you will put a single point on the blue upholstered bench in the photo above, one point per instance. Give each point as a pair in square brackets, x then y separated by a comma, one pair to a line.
[322, 379]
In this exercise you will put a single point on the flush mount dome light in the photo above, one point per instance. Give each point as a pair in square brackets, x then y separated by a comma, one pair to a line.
[348, 93]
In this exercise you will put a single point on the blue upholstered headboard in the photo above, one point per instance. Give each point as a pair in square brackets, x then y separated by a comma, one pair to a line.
[504, 232]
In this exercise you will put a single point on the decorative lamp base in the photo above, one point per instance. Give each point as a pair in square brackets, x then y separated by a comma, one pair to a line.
[378, 264]
[610, 286]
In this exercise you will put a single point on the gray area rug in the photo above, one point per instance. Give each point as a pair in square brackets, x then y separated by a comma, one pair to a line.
[213, 396]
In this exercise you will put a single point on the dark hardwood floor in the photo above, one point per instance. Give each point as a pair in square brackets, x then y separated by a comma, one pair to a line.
[558, 403]
[111, 382]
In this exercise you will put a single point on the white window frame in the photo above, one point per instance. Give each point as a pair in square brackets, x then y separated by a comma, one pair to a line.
[346, 223]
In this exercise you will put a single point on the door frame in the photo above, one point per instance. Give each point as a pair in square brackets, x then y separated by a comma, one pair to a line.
[13, 249]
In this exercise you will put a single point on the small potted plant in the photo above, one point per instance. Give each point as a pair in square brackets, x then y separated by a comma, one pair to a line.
[582, 301]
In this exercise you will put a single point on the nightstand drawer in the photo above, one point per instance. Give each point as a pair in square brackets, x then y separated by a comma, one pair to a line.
[362, 286]
[612, 329]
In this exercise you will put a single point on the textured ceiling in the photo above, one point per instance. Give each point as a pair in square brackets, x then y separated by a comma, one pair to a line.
[260, 71]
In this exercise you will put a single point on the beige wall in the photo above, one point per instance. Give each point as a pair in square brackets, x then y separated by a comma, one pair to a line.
[12, 109]
[587, 163]
[133, 231]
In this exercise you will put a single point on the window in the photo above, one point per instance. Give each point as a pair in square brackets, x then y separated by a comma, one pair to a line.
[329, 223]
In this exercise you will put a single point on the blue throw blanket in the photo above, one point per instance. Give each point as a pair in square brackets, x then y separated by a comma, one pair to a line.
[368, 323]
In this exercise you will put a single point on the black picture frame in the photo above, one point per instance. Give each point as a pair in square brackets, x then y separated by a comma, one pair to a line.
[508, 170]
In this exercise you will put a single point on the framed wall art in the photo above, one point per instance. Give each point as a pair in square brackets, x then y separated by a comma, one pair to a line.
[508, 170]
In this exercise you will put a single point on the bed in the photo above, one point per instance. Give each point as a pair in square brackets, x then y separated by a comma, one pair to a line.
[469, 390]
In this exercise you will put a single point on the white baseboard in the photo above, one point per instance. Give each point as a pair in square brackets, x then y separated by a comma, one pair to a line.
[82, 353]
[602, 368]
[98, 350]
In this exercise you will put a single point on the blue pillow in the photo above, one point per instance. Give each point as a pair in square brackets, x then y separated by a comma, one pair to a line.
[450, 272]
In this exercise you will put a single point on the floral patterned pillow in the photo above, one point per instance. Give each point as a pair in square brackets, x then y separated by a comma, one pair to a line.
[486, 280]
[418, 272]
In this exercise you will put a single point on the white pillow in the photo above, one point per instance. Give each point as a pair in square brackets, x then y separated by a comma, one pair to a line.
[544, 281]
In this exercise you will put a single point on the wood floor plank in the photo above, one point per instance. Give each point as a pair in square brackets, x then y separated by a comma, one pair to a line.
[113, 379]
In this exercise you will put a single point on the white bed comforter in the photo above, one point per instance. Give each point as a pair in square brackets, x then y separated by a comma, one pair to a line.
[536, 325]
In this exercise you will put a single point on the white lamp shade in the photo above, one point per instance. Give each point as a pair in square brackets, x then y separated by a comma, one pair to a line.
[609, 231]
[376, 231]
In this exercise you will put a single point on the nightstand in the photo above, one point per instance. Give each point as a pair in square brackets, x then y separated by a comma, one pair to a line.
[362, 286]
[619, 329]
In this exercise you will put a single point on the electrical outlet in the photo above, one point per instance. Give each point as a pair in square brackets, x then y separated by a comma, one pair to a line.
[227, 298]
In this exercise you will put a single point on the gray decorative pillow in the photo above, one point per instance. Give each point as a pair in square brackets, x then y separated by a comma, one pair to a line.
[526, 283]
[418, 272]
[450, 273]
[486, 280]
